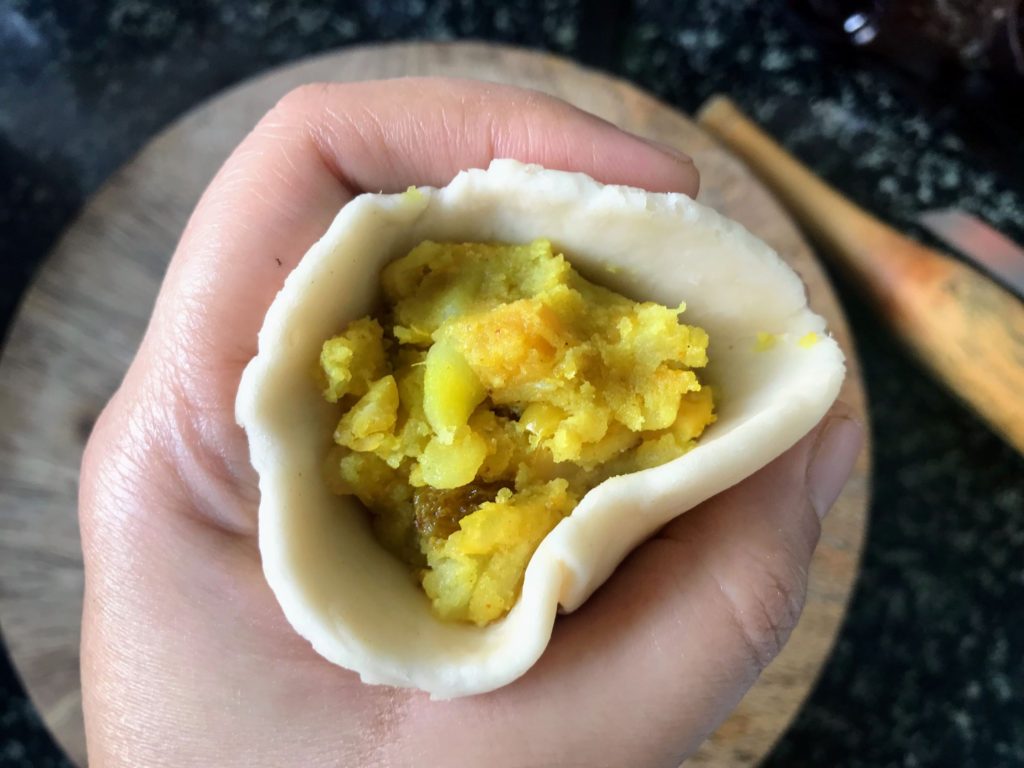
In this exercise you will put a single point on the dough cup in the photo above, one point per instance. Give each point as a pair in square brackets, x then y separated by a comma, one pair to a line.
[357, 604]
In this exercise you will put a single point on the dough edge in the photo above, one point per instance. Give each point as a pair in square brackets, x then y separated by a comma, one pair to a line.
[361, 632]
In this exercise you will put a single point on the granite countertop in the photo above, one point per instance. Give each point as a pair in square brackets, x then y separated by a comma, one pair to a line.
[929, 668]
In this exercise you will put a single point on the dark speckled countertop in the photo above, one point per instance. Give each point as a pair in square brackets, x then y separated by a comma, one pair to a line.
[929, 668]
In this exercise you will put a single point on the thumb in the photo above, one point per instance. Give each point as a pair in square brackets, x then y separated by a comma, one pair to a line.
[691, 619]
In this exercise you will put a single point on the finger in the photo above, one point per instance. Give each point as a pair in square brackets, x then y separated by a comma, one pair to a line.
[318, 147]
[324, 143]
[669, 645]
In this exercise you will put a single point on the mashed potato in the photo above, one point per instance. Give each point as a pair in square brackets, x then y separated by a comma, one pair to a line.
[496, 387]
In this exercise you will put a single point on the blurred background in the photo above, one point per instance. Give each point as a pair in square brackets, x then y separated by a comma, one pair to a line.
[902, 106]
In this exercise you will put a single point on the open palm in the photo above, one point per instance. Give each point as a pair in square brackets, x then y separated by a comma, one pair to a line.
[187, 659]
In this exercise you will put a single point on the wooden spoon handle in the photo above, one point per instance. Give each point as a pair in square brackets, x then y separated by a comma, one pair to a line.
[961, 324]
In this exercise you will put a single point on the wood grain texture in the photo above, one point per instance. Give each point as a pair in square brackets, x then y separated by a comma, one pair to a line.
[81, 322]
[960, 323]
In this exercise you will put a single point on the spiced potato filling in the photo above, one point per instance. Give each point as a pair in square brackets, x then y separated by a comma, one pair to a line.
[494, 389]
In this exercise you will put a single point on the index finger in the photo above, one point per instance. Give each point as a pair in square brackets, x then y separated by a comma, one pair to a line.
[316, 149]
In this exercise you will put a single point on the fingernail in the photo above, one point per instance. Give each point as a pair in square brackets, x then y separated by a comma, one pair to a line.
[668, 149]
[832, 460]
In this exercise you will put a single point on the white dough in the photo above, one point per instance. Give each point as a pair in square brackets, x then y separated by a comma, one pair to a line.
[358, 605]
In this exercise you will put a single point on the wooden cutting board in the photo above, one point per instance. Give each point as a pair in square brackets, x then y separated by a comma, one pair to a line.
[82, 320]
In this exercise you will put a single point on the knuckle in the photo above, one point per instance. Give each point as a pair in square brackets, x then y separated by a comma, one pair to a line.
[301, 98]
[115, 461]
[766, 608]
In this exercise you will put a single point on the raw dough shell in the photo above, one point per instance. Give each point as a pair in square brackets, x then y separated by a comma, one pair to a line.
[357, 604]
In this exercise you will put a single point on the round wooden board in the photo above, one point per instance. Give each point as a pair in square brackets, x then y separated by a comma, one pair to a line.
[81, 322]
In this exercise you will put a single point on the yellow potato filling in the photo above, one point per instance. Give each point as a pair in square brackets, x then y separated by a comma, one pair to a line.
[495, 387]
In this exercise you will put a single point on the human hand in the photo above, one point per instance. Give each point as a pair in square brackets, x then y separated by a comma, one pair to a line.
[186, 656]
